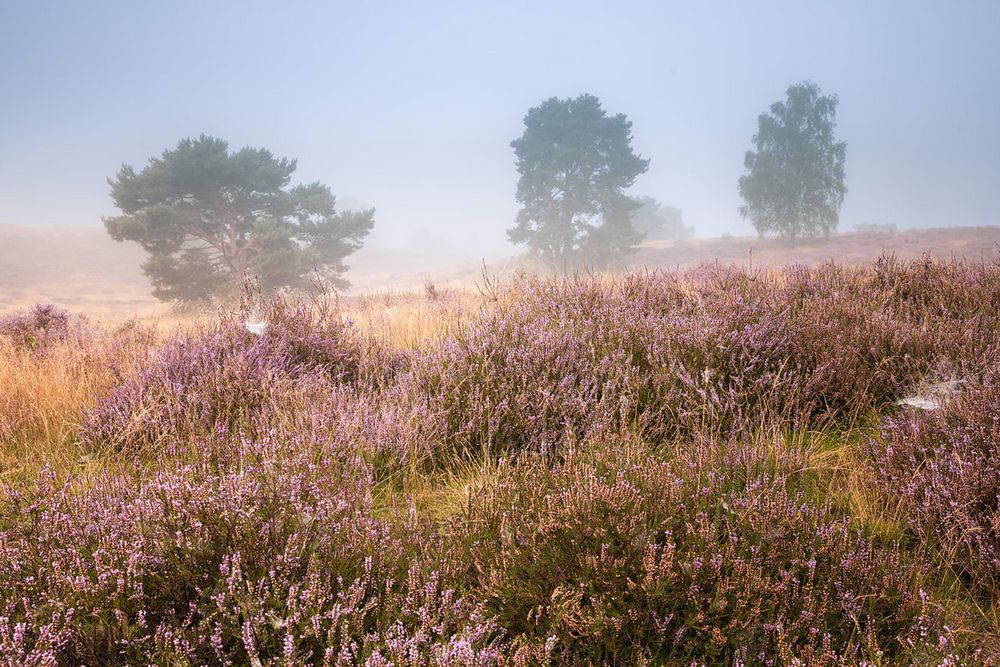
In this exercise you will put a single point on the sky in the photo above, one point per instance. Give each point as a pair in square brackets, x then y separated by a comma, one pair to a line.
[410, 107]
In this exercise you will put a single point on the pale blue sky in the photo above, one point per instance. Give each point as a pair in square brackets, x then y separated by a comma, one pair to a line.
[410, 106]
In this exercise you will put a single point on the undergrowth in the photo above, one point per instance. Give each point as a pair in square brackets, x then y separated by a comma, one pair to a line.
[702, 468]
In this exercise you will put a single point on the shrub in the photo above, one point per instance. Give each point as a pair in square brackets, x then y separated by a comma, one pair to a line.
[563, 361]
[394, 434]
[944, 466]
[39, 327]
[717, 348]
[621, 557]
[275, 555]
[247, 530]
[221, 377]
[860, 346]
[567, 361]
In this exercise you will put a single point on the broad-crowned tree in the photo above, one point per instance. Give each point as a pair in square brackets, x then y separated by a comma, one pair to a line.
[575, 163]
[794, 184]
[207, 216]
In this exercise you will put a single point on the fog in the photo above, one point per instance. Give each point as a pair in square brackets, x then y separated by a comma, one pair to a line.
[410, 108]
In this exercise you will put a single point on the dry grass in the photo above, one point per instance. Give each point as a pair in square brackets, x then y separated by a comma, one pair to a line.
[44, 396]
[408, 320]
[42, 400]
[440, 495]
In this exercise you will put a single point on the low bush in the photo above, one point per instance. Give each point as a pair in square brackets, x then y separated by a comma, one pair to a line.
[273, 556]
[40, 327]
[277, 487]
[565, 361]
[944, 467]
[621, 557]
[221, 377]
[717, 349]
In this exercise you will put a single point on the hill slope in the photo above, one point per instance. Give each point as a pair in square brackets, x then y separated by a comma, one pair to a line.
[856, 248]
[81, 268]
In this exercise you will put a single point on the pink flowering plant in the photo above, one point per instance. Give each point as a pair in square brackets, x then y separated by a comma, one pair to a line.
[654, 468]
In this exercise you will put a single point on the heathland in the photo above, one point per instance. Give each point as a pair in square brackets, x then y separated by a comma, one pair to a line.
[720, 465]
[84, 270]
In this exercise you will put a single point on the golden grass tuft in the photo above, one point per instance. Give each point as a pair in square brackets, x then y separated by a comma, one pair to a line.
[410, 320]
[42, 399]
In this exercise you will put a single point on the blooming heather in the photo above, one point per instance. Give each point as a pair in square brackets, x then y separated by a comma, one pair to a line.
[944, 466]
[43, 325]
[221, 377]
[593, 450]
[273, 556]
[719, 350]
[625, 557]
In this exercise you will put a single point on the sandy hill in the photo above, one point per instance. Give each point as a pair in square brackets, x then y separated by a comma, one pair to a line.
[81, 268]
[857, 248]
[77, 267]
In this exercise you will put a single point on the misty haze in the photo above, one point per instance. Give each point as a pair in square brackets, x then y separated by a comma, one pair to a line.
[456, 333]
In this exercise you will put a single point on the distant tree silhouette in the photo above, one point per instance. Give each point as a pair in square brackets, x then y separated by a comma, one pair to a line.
[658, 221]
